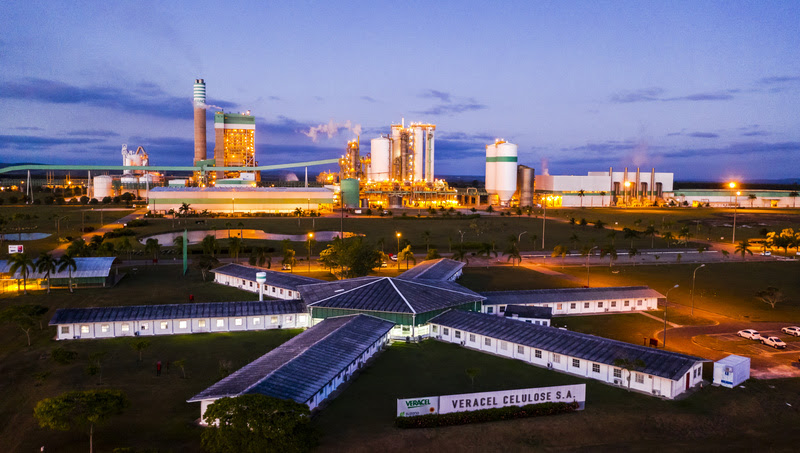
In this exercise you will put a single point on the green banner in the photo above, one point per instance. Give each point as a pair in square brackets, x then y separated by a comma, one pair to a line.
[502, 159]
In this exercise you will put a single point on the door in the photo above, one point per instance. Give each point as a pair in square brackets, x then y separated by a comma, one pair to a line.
[687, 380]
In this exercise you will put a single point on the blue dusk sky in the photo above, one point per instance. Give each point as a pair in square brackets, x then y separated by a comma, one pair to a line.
[708, 90]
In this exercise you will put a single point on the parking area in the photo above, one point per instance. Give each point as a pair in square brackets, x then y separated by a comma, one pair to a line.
[755, 346]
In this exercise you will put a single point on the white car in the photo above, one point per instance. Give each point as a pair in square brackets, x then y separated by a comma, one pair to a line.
[793, 330]
[767, 253]
[775, 342]
[749, 334]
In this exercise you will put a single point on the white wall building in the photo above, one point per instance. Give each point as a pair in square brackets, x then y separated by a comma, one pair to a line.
[604, 188]
[728, 198]
[575, 301]
[665, 374]
[240, 199]
[177, 319]
[279, 285]
[540, 316]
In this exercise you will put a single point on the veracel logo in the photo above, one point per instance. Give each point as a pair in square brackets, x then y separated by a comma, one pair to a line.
[417, 403]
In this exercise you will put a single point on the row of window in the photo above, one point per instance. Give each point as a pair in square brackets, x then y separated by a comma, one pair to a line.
[574, 305]
[268, 288]
[126, 327]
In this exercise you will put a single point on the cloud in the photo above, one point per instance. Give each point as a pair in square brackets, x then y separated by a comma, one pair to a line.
[703, 135]
[719, 96]
[756, 149]
[435, 94]
[452, 109]
[146, 99]
[27, 142]
[642, 95]
[28, 128]
[603, 148]
[775, 80]
[755, 134]
[331, 129]
[94, 133]
[274, 98]
[368, 99]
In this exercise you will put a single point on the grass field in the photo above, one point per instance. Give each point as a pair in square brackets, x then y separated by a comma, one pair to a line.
[629, 327]
[361, 419]
[510, 278]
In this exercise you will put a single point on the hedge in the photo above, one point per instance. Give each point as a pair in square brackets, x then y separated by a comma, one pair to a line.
[485, 415]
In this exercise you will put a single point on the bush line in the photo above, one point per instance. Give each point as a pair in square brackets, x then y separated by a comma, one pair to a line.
[485, 415]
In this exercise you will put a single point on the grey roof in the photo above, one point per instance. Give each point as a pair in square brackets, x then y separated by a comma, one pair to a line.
[440, 269]
[387, 294]
[525, 311]
[534, 296]
[274, 278]
[176, 311]
[299, 368]
[84, 268]
[658, 362]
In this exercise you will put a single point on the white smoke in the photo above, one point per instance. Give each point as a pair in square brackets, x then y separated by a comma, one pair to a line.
[331, 129]
[208, 106]
[545, 164]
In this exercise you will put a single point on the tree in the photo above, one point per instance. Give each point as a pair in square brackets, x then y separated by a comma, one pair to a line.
[184, 209]
[426, 237]
[599, 224]
[581, 193]
[23, 264]
[234, 247]
[254, 423]
[472, 373]
[80, 410]
[725, 253]
[743, 248]
[460, 254]
[125, 246]
[152, 246]
[668, 237]
[407, 255]
[181, 363]
[489, 209]
[210, 245]
[259, 256]
[288, 258]
[630, 366]
[771, 296]
[610, 252]
[205, 263]
[561, 251]
[140, 345]
[177, 242]
[794, 194]
[513, 253]
[632, 252]
[67, 262]
[78, 248]
[47, 264]
[432, 254]
[752, 198]
[23, 316]
[650, 232]
[631, 234]
[574, 240]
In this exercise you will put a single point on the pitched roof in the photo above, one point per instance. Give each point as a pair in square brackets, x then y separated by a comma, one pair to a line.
[533, 296]
[274, 278]
[176, 311]
[657, 362]
[526, 311]
[439, 269]
[299, 368]
[387, 294]
[99, 266]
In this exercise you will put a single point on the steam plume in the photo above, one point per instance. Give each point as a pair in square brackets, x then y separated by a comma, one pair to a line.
[331, 129]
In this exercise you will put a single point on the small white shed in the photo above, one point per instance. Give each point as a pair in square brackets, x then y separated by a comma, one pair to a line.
[731, 371]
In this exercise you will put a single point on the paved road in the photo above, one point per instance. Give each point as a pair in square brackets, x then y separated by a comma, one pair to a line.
[119, 223]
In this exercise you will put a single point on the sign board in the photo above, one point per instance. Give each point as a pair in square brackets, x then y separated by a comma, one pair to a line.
[491, 400]
[14, 249]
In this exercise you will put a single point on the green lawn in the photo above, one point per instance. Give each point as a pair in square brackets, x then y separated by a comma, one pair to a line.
[510, 278]
[361, 419]
[629, 327]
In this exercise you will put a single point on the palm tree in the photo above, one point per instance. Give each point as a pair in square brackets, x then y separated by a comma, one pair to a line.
[152, 246]
[47, 264]
[241, 229]
[743, 248]
[561, 251]
[794, 194]
[184, 209]
[407, 255]
[602, 197]
[610, 252]
[581, 193]
[651, 232]
[426, 236]
[574, 239]
[288, 258]
[234, 247]
[210, 245]
[630, 366]
[259, 257]
[752, 198]
[612, 235]
[177, 242]
[631, 234]
[67, 262]
[487, 249]
[78, 247]
[22, 263]
[460, 254]
[632, 252]
[228, 226]
[669, 237]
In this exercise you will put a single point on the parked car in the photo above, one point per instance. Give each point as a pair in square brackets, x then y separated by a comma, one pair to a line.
[767, 253]
[393, 257]
[286, 267]
[384, 264]
[750, 334]
[775, 342]
[793, 330]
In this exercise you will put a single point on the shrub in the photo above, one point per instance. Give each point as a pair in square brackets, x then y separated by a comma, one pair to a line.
[137, 223]
[63, 356]
[485, 415]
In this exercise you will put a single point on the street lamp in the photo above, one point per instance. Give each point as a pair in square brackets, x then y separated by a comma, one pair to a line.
[58, 227]
[666, 302]
[398, 250]
[732, 185]
[310, 236]
[694, 274]
[519, 237]
[587, 264]
[544, 219]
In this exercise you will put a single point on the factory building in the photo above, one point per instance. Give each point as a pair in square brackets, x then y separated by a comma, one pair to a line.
[611, 188]
[575, 301]
[177, 319]
[739, 197]
[234, 142]
[278, 285]
[233, 199]
[309, 367]
[91, 272]
[501, 172]
[664, 374]
[405, 155]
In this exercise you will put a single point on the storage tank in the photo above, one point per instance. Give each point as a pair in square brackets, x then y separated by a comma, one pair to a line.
[491, 153]
[419, 157]
[380, 150]
[525, 177]
[350, 193]
[506, 172]
[103, 187]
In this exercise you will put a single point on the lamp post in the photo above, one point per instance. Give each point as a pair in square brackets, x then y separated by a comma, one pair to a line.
[694, 274]
[519, 237]
[732, 186]
[310, 236]
[544, 219]
[587, 264]
[398, 250]
[666, 302]
[58, 227]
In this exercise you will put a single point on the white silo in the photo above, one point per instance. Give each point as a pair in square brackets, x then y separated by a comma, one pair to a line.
[491, 154]
[380, 154]
[103, 187]
[419, 155]
[506, 172]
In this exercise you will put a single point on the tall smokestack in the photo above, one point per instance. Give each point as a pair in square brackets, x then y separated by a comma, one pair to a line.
[199, 120]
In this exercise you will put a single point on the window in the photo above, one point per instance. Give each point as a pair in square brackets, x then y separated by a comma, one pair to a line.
[520, 349]
[599, 305]
[125, 327]
[434, 329]
[556, 358]
[559, 306]
[220, 323]
[586, 305]
[256, 321]
[627, 303]
[503, 345]
[537, 353]
[64, 329]
[573, 305]
[458, 334]
[289, 319]
[639, 302]
[84, 329]
[281, 290]
[446, 331]
[145, 326]
[595, 368]
[490, 310]
[290, 294]
[576, 363]
[617, 372]
[407, 330]
[104, 328]
[613, 303]
[201, 323]
[502, 309]
[164, 325]
[251, 284]
[472, 337]
[273, 320]
[181, 324]
[639, 378]
[237, 321]
[487, 341]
